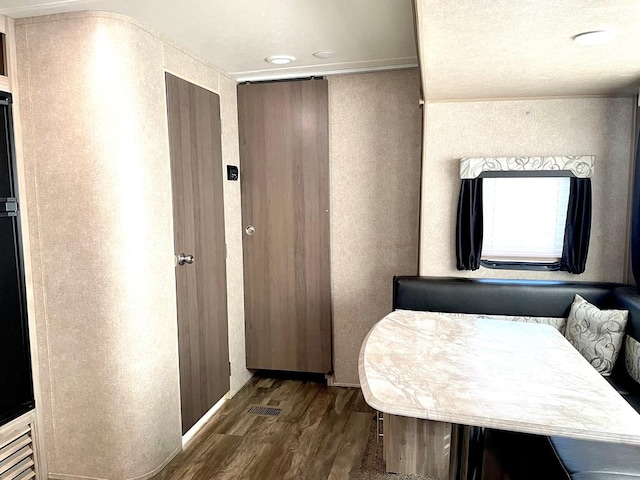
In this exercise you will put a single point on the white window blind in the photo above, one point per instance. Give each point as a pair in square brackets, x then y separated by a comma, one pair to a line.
[524, 218]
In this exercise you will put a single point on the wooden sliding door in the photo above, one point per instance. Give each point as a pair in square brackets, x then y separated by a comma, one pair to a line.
[284, 158]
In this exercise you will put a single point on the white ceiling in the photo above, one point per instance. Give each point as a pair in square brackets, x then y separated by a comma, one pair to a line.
[520, 48]
[237, 35]
[470, 49]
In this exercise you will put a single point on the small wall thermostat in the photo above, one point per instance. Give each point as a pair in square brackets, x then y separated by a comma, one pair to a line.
[232, 172]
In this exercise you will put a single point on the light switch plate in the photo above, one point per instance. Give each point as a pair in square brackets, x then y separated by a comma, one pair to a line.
[232, 172]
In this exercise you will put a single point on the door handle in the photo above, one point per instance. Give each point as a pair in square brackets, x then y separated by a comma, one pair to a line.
[250, 230]
[182, 259]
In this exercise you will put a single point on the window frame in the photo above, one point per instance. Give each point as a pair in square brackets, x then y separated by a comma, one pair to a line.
[523, 265]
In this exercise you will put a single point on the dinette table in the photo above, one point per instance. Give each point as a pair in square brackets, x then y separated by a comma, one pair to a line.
[437, 378]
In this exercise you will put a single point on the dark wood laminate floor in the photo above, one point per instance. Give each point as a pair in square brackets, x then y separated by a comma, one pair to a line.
[320, 434]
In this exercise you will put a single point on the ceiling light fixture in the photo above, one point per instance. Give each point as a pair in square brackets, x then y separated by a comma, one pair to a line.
[597, 37]
[324, 54]
[280, 59]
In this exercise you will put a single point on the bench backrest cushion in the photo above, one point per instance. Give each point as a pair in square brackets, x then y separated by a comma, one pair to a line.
[627, 298]
[499, 297]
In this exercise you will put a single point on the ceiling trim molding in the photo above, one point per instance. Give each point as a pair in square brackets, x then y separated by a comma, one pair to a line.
[312, 71]
[527, 98]
[39, 7]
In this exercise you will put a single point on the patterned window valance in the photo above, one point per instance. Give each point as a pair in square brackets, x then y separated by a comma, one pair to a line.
[579, 166]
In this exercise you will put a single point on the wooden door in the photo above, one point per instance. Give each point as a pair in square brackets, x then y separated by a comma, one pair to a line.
[284, 158]
[198, 223]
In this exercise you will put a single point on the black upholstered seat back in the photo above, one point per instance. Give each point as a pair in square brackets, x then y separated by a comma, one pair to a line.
[627, 298]
[498, 297]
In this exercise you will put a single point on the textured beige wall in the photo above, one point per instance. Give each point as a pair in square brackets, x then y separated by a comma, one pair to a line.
[233, 231]
[589, 126]
[374, 124]
[98, 181]
[100, 224]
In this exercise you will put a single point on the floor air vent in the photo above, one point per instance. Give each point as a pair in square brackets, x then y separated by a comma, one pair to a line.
[16, 455]
[264, 410]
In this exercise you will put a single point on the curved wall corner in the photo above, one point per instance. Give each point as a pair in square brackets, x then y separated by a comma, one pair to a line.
[96, 157]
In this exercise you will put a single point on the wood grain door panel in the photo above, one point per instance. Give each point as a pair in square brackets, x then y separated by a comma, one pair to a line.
[198, 217]
[285, 195]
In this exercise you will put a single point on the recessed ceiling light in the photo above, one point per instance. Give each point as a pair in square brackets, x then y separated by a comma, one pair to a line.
[324, 54]
[597, 37]
[280, 59]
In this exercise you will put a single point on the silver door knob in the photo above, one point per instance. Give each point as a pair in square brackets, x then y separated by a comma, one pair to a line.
[250, 230]
[182, 259]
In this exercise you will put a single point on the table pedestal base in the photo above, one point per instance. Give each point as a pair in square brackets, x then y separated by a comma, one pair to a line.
[439, 450]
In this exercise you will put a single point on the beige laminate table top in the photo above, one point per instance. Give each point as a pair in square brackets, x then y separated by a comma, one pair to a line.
[514, 376]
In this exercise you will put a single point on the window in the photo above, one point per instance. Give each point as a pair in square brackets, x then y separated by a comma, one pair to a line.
[519, 234]
[524, 219]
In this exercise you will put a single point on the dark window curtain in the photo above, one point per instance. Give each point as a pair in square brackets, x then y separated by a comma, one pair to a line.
[469, 226]
[578, 226]
[635, 219]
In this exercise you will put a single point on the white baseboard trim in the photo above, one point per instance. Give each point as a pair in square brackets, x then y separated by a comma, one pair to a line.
[341, 384]
[155, 471]
[62, 476]
[187, 437]
[231, 395]
[159, 467]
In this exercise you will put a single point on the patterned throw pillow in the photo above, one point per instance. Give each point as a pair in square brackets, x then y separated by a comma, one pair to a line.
[596, 334]
[632, 357]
